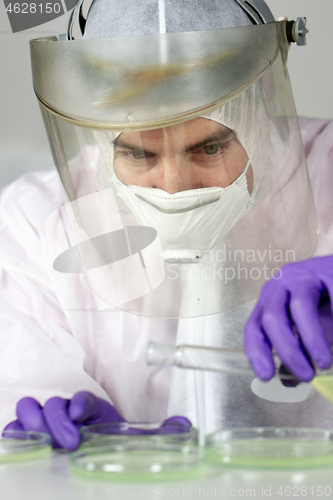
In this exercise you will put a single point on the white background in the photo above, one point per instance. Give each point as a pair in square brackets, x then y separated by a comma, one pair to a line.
[23, 142]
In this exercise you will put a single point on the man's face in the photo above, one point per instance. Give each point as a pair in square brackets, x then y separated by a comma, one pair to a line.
[196, 154]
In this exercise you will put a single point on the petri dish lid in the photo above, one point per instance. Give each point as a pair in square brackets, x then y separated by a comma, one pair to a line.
[271, 448]
[117, 452]
[176, 430]
[22, 445]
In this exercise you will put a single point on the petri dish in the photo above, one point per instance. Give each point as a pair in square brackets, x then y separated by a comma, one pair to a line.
[16, 446]
[271, 448]
[138, 452]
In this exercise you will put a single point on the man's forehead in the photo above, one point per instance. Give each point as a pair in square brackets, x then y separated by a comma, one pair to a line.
[191, 132]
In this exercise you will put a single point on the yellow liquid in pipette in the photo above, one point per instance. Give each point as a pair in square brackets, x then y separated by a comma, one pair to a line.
[324, 385]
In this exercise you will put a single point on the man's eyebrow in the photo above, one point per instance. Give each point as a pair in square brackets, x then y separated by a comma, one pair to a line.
[121, 144]
[223, 135]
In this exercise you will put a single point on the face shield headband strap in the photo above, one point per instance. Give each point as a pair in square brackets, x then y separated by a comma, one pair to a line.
[257, 11]
[76, 12]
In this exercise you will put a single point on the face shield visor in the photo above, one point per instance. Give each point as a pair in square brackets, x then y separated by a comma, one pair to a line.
[181, 164]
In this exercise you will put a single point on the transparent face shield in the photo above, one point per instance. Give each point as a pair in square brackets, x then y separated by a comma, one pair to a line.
[181, 165]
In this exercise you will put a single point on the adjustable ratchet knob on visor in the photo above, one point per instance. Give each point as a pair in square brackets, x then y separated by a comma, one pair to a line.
[297, 31]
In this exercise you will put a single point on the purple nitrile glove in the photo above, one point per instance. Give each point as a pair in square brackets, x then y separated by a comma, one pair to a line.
[62, 418]
[293, 315]
[178, 424]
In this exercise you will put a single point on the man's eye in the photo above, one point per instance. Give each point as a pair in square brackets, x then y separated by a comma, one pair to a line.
[137, 155]
[211, 149]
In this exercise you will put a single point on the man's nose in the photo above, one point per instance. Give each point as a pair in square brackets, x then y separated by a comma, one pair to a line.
[174, 175]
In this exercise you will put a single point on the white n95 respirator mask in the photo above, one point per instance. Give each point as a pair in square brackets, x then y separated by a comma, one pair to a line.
[188, 223]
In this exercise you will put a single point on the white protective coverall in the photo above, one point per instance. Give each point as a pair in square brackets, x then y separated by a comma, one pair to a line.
[57, 338]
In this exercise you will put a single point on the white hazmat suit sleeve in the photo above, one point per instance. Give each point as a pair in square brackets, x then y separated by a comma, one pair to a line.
[38, 355]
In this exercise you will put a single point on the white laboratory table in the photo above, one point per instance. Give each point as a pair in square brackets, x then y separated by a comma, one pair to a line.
[50, 479]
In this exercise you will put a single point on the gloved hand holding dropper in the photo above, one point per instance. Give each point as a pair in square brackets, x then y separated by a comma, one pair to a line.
[293, 316]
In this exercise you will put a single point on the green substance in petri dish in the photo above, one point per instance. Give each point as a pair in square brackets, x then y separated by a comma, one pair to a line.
[17, 450]
[277, 453]
[135, 465]
[324, 385]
